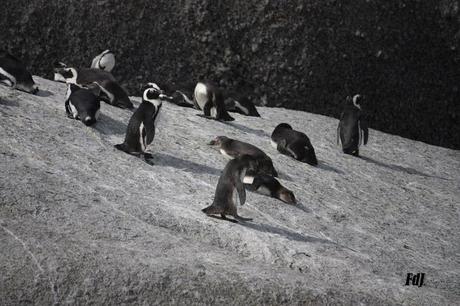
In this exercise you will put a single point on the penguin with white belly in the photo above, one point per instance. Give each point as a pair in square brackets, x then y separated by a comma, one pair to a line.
[141, 127]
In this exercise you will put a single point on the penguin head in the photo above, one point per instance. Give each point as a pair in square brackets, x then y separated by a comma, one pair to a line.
[27, 85]
[88, 120]
[287, 196]
[357, 99]
[283, 126]
[65, 74]
[310, 157]
[218, 141]
[152, 95]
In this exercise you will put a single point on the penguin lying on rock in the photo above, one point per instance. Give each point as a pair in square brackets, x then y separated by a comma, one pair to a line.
[14, 73]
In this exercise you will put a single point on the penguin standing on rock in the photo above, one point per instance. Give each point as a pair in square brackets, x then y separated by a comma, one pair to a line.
[141, 127]
[210, 100]
[352, 130]
[293, 143]
[14, 73]
[104, 61]
[230, 187]
[83, 103]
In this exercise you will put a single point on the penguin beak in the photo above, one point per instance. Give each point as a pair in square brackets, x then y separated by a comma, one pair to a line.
[212, 143]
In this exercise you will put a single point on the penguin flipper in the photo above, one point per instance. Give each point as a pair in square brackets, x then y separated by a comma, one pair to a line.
[365, 130]
[338, 134]
[241, 191]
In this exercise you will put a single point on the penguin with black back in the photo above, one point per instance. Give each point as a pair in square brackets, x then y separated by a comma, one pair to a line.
[14, 73]
[141, 127]
[293, 143]
[352, 130]
[209, 98]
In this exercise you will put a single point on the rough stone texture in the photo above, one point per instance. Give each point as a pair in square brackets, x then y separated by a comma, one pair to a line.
[307, 55]
[83, 223]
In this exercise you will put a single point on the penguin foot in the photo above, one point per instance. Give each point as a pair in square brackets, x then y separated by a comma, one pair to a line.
[147, 156]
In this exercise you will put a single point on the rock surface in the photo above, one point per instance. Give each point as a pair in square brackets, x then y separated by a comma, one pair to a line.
[83, 223]
[307, 55]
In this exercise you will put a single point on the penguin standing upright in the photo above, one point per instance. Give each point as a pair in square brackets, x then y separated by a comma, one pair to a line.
[210, 100]
[230, 185]
[141, 127]
[83, 103]
[14, 73]
[104, 61]
[352, 130]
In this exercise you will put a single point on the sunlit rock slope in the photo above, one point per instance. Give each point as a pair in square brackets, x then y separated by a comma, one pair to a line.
[81, 222]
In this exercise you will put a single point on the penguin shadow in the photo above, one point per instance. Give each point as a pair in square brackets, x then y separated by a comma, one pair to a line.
[8, 102]
[291, 235]
[44, 93]
[303, 208]
[325, 166]
[109, 126]
[166, 160]
[407, 170]
[247, 130]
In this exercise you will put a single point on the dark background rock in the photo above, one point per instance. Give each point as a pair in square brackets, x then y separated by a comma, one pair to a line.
[305, 55]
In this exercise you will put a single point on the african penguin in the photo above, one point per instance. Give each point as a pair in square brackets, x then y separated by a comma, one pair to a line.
[111, 91]
[293, 143]
[141, 127]
[83, 103]
[269, 186]
[242, 105]
[209, 99]
[230, 187]
[233, 148]
[14, 73]
[104, 61]
[352, 130]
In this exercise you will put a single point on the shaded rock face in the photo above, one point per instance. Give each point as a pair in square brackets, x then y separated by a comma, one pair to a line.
[306, 55]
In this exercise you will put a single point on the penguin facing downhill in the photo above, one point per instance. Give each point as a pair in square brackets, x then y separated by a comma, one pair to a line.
[210, 100]
[141, 127]
[269, 186]
[112, 92]
[83, 103]
[14, 73]
[352, 130]
[233, 148]
[104, 61]
[230, 185]
[293, 143]
[241, 104]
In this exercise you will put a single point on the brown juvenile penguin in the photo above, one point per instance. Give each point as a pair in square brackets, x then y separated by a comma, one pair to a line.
[229, 185]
